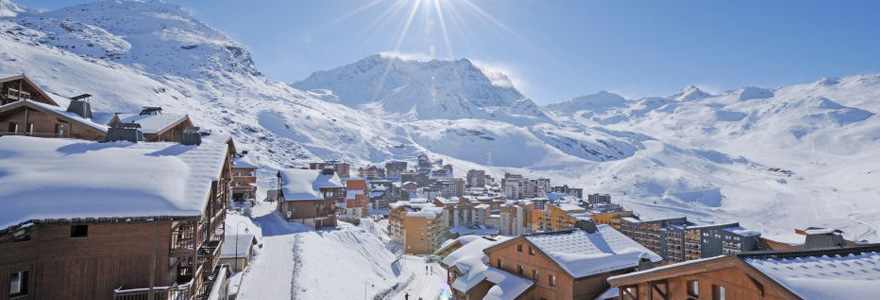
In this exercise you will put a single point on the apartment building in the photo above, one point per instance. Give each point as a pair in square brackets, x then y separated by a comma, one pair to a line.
[419, 225]
[476, 178]
[393, 169]
[678, 240]
[517, 218]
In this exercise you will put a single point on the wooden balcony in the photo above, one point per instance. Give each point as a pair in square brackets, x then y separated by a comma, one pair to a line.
[185, 291]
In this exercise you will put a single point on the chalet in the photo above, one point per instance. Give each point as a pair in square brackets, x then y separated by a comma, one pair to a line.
[27, 110]
[835, 273]
[570, 264]
[244, 178]
[471, 278]
[341, 168]
[393, 169]
[238, 250]
[156, 126]
[310, 196]
[371, 172]
[385, 192]
[85, 220]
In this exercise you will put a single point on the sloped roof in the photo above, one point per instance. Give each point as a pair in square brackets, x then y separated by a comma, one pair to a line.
[243, 162]
[301, 185]
[51, 178]
[56, 110]
[11, 77]
[153, 124]
[834, 274]
[245, 240]
[472, 262]
[583, 254]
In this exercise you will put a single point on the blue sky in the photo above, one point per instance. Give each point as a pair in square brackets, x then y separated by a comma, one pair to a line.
[558, 49]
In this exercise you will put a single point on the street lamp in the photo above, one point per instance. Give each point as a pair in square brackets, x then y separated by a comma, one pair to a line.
[372, 284]
[237, 227]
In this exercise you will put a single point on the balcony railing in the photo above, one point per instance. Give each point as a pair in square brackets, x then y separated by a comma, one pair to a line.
[175, 292]
[33, 133]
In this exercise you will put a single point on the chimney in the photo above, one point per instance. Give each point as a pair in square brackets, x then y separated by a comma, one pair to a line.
[191, 136]
[80, 105]
[645, 262]
[151, 110]
[128, 132]
[587, 225]
[823, 238]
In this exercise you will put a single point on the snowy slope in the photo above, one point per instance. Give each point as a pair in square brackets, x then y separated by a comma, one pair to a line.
[9, 9]
[772, 158]
[401, 88]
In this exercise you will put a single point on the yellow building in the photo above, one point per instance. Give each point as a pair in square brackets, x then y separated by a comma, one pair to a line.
[561, 217]
[611, 218]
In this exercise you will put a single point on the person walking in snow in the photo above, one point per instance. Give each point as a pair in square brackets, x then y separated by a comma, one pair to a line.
[426, 270]
[406, 296]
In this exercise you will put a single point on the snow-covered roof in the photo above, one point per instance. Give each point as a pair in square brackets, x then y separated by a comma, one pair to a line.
[583, 254]
[472, 263]
[49, 178]
[243, 162]
[301, 184]
[153, 124]
[352, 194]
[445, 200]
[738, 230]
[847, 276]
[611, 293]
[429, 212]
[58, 111]
[245, 241]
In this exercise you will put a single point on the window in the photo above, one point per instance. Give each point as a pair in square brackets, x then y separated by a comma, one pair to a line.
[519, 269]
[531, 251]
[718, 292]
[30, 128]
[18, 283]
[552, 280]
[13, 127]
[535, 274]
[79, 231]
[693, 289]
[59, 130]
[519, 248]
[498, 264]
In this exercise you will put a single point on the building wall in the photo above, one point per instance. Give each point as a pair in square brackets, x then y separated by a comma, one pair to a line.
[611, 218]
[242, 178]
[736, 283]
[511, 258]
[423, 235]
[175, 134]
[91, 267]
[44, 125]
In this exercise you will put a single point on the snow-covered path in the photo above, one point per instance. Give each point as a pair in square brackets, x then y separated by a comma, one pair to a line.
[272, 274]
[426, 285]
[346, 262]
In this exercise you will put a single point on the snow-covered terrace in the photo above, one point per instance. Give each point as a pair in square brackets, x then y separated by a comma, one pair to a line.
[63, 179]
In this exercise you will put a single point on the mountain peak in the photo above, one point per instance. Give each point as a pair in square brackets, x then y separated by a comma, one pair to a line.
[10, 9]
[690, 93]
[409, 87]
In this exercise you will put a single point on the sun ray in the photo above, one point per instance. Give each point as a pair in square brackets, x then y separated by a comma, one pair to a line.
[442, 20]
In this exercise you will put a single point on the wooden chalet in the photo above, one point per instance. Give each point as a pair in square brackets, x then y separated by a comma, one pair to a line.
[244, 178]
[831, 273]
[310, 196]
[156, 126]
[570, 264]
[28, 110]
[151, 230]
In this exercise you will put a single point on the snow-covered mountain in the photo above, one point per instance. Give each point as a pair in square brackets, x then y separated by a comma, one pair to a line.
[401, 88]
[9, 9]
[774, 159]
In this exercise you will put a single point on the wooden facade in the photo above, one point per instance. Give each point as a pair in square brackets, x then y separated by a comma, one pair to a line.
[156, 257]
[316, 213]
[707, 279]
[21, 87]
[520, 257]
[26, 118]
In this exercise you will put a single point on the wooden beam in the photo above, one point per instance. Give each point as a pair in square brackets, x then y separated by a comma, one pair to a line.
[663, 293]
